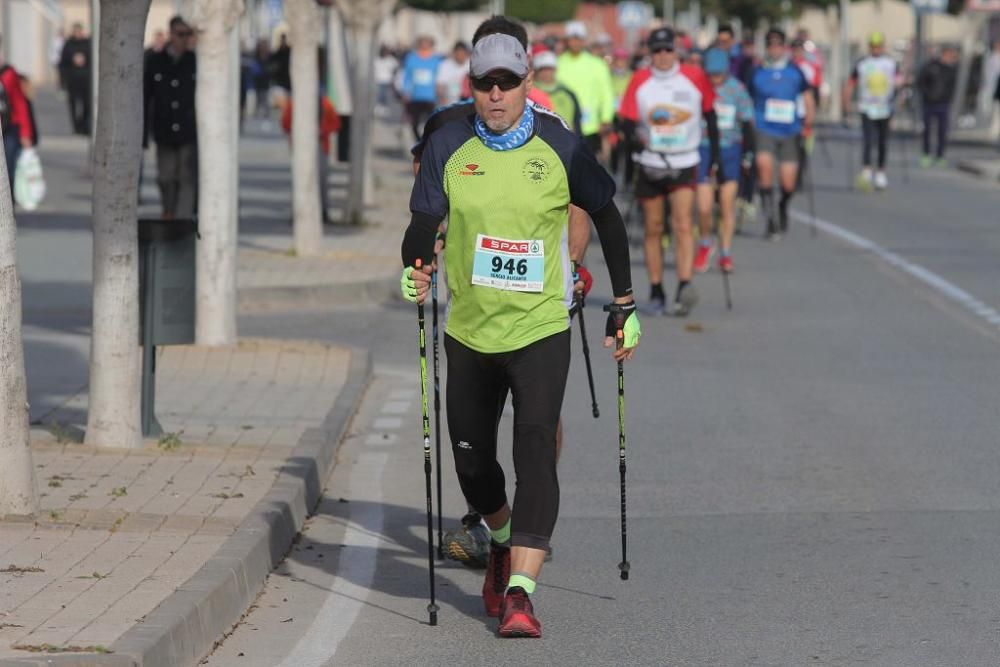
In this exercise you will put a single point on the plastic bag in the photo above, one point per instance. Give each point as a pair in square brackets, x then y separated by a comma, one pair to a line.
[29, 183]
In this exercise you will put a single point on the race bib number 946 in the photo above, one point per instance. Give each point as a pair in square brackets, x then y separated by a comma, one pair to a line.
[517, 266]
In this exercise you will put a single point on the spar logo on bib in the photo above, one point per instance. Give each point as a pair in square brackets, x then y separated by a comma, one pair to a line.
[471, 169]
[535, 170]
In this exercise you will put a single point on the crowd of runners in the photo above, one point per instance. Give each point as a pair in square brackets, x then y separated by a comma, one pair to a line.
[511, 175]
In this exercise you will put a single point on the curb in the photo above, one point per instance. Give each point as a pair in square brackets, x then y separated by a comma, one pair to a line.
[317, 297]
[185, 626]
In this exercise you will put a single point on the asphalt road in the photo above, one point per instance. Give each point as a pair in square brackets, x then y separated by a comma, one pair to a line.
[813, 476]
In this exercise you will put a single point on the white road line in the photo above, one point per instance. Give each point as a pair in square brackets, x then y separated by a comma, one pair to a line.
[355, 569]
[402, 394]
[381, 439]
[944, 287]
[395, 407]
[387, 423]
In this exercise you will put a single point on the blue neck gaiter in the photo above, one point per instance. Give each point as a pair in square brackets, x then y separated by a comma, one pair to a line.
[511, 139]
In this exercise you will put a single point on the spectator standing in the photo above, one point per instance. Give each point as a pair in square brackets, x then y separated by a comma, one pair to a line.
[936, 85]
[170, 113]
[55, 54]
[452, 73]
[329, 123]
[281, 59]
[74, 65]
[262, 79]
[419, 85]
[385, 71]
[15, 117]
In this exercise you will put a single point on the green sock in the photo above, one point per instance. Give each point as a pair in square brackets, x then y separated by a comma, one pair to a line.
[521, 581]
[502, 535]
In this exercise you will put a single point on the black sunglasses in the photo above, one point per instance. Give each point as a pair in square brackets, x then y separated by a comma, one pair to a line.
[183, 33]
[484, 84]
[663, 49]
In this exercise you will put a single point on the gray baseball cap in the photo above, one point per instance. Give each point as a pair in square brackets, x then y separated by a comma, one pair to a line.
[498, 51]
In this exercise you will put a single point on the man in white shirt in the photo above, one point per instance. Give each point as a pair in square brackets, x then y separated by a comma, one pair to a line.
[451, 75]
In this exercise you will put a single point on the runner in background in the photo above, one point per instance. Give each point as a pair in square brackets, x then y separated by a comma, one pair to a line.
[663, 110]
[590, 80]
[734, 112]
[621, 160]
[874, 77]
[775, 87]
[814, 77]
[419, 88]
[452, 74]
[561, 98]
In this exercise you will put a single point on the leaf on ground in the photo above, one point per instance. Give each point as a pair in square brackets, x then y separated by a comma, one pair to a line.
[16, 569]
[287, 620]
[694, 327]
[52, 648]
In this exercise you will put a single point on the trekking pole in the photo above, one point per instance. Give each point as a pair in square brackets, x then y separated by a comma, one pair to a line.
[623, 566]
[586, 354]
[725, 287]
[725, 274]
[812, 203]
[437, 407]
[432, 608]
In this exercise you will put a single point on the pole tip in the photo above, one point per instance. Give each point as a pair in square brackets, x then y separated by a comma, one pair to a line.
[624, 567]
[597, 413]
[434, 619]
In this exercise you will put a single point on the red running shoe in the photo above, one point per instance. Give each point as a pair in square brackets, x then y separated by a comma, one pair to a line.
[497, 574]
[703, 257]
[726, 264]
[518, 616]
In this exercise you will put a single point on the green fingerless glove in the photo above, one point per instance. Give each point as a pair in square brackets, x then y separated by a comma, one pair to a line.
[623, 317]
[632, 330]
[407, 286]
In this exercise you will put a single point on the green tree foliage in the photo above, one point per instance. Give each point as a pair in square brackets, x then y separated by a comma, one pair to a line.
[542, 11]
[445, 5]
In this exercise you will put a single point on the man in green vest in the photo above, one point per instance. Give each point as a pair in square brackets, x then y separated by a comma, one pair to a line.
[590, 80]
[564, 102]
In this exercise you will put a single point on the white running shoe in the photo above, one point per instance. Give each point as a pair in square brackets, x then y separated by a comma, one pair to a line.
[881, 181]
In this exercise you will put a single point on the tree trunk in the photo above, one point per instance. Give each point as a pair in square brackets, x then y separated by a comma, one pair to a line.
[113, 417]
[217, 107]
[362, 17]
[17, 481]
[303, 28]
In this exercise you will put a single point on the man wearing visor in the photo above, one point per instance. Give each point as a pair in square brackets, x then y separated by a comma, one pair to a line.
[505, 177]
[662, 113]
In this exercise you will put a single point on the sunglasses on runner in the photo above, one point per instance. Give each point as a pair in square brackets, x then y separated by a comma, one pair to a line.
[484, 84]
[663, 49]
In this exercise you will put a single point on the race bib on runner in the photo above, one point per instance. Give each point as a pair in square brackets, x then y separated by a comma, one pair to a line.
[667, 138]
[779, 111]
[516, 266]
[726, 115]
[423, 77]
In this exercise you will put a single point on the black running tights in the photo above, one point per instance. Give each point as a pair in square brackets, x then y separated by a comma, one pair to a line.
[873, 130]
[476, 394]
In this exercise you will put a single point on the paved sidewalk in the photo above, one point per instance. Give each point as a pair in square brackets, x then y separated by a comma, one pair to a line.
[120, 531]
[357, 262]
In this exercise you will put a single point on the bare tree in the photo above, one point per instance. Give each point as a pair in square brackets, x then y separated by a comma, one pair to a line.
[303, 32]
[362, 18]
[217, 107]
[113, 417]
[17, 478]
